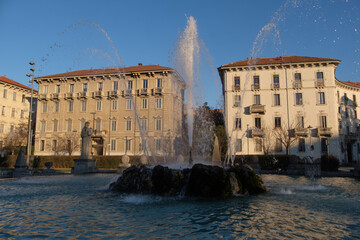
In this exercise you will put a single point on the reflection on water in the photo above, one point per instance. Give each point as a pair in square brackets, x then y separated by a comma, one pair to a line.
[81, 207]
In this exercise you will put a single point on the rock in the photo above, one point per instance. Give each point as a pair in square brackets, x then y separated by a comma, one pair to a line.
[199, 181]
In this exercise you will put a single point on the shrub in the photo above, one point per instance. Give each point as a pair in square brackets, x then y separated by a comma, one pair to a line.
[329, 163]
[276, 162]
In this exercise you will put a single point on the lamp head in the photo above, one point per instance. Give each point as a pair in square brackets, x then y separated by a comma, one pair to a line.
[32, 63]
[29, 75]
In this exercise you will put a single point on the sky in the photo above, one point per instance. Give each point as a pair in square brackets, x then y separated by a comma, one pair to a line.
[68, 35]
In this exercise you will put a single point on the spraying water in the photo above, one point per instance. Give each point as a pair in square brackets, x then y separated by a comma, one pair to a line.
[187, 62]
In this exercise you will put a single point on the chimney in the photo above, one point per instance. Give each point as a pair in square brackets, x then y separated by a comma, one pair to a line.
[139, 64]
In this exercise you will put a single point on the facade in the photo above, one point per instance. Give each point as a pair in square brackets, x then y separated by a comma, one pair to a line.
[131, 109]
[293, 99]
[14, 111]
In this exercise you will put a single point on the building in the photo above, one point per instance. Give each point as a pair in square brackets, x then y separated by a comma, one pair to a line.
[131, 109]
[14, 113]
[298, 100]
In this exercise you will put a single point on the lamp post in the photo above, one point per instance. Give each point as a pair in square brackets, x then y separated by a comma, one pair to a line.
[31, 75]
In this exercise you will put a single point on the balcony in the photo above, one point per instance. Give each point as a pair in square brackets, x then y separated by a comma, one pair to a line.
[97, 94]
[157, 91]
[257, 132]
[69, 95]
[143, 92]
[324, 132]
[42, 97]
[54, 96]
[297, 85]
[112, 94]
[82, 95]
[257, 108]
[301, 131]
[236, 104]
[126, 93]
[236, 88]
[275, 86]
[319, 83]
[255, 87]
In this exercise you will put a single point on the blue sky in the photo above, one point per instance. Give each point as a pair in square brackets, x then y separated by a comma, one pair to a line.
[62, 36]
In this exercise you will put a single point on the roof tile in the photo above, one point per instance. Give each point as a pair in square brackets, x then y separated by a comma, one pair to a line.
[7, 80]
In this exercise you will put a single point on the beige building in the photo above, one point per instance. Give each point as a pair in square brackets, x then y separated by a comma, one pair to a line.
[297, 95]
[14, 110]
[123, 105]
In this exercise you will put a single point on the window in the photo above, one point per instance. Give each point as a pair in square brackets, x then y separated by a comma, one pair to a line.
[300, 122]
[98, 105]
[258, 123]
[3, 111]
[257, 99]
[278, 145]
[345, 99]
[113, 145]
[57, 88]
[144, 103]
[13, 112]
[237, 123]
[43, 126]
[116, 86]
[5, 93]
[83, 106]
[44, 107]
[12, 128]
[299, 100]
[85, 87]
[276, 81]
[23, 98]
[128, 125]
[55, 125]
[1, 128]
[158, 103]
[82, 124]
[71, 106]
[158, 144]
[297, 77]
[114, 105]
[45, 89]
[277, 99]
[258, 145]
[98, 124]
[128, 144]
[42, 145]
[22, 113]
[237, 82]
[159, 83]
[145, 83]
[128, 104]
[321, 98]
[324, 145]
[355, 114]
[71, 88]
[130, 84]
[14, 96]
[113, 125]
[53, 146]
[256, 82]
[320, 76]
[277, 122]
[158, 124]
[56, 107]
[323, 122]
[143, 124]
[301, 147]
[238, 146]
[69, 125]
[237, 99]
[354, 100]
[338, 96]
[100, 86]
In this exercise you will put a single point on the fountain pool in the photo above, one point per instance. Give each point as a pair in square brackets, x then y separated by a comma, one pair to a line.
[82, 207]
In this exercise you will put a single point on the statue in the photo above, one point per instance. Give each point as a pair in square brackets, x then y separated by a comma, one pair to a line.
[86, 133]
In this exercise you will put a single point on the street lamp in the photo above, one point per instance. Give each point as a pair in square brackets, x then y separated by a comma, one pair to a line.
[31, 75]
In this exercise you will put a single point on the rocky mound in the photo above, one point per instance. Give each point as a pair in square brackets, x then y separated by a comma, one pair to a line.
[199, 181]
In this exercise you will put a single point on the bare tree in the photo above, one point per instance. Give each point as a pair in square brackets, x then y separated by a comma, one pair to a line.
[268, 139]
[17, 137]
[67, 143]
[286, 136]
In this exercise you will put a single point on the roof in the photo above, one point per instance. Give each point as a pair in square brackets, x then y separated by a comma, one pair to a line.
[277, 60]
[139, 68]
[351, 84]
[9, 81]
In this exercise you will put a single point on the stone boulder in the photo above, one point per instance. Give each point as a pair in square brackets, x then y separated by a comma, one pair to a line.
[199, 181]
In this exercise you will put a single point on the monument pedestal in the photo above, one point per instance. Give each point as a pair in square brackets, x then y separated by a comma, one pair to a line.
[82, 166]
